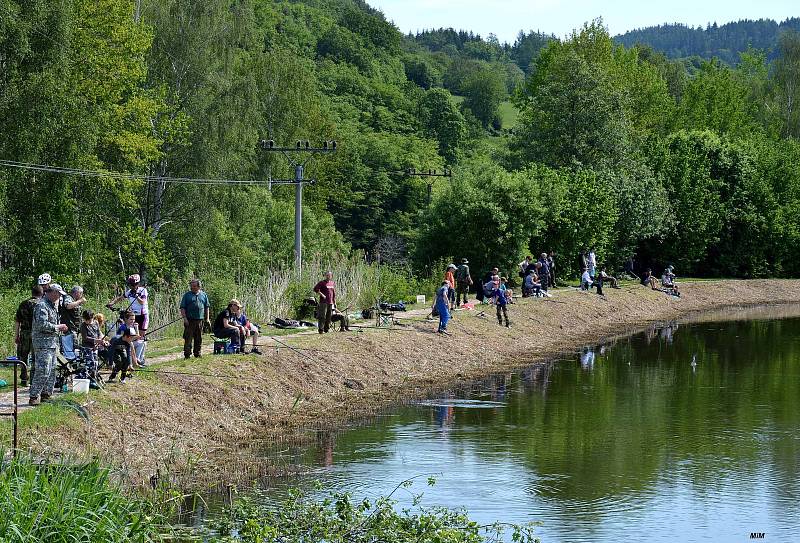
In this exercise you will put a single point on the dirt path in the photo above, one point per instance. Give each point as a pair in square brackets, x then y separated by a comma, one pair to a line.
[204, 423]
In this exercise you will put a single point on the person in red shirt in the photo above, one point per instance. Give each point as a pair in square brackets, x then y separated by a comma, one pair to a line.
[450, 277]
[327, 299]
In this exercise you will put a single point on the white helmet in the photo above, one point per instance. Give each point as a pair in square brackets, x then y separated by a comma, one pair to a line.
[44, 279]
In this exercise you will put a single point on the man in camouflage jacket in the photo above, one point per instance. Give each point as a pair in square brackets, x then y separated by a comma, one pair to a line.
[46, 333]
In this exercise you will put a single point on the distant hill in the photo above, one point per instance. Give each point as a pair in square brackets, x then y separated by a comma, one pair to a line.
[724, 42]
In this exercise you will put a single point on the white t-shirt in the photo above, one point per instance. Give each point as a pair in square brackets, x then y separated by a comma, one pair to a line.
[586, 278]
[136, 307]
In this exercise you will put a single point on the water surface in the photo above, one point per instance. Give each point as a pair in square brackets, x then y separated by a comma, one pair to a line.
[628, 441]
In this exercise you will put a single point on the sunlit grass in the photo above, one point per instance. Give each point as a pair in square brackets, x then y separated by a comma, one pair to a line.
[65, 503]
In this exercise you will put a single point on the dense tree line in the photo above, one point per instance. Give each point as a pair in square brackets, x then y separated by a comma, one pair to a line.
[725, 42]
[615, 147]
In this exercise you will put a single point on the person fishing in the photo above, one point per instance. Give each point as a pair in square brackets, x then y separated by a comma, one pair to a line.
[195, 308]
[326, 289]
[442, 306]
[45, 336]
[137, 297]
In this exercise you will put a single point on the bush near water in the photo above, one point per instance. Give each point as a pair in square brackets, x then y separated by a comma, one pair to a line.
[60, 503]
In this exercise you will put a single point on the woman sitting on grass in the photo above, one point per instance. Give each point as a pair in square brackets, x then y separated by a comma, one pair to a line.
[649, 280]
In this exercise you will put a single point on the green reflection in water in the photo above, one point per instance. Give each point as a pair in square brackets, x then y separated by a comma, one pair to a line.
[628, 440]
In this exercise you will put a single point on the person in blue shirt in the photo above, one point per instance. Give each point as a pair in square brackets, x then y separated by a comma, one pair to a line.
[442, 306]
[501, 302]
[195, 309]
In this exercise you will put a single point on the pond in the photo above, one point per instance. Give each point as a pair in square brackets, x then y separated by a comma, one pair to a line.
[687, 432]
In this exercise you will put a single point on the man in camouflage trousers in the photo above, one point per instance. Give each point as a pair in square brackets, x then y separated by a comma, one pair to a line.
[23, 321]
[45, 336]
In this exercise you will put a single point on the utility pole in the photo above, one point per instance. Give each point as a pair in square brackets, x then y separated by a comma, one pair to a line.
[299, 180]
[429, 175]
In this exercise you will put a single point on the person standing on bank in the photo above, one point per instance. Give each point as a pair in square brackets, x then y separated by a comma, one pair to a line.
[23, 321]
[45, 334]
[195, 309]
[327, 299]
[544, 272]
[463, 281]
[450, 277]
[441, 306]
[551, 263]
[70, 312]
[136, 294]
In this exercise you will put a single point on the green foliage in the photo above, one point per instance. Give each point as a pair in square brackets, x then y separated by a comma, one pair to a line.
[725, 41]
[60, 503]
[715, 98]
[421, 71]
[787, 83]
[340, 519]
[443, 122]
[486, 214]
[571, 112]
[483, 91]
[190, 88]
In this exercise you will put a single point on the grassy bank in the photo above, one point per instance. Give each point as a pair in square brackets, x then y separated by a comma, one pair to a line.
[200, 420]
[60, 503]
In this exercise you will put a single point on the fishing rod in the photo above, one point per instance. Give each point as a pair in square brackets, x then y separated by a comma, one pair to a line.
[292, 348]
[385, 329]
[162, 326]
[144, 370]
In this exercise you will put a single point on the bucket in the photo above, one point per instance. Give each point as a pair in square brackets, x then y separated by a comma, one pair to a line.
[80, 385]
[421, 299]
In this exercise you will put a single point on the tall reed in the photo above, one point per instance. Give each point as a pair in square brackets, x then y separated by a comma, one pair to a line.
[60, 503]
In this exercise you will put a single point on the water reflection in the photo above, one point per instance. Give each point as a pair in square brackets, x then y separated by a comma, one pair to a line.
[684, 433]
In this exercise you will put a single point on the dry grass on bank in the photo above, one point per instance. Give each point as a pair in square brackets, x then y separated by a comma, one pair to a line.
[197, 424]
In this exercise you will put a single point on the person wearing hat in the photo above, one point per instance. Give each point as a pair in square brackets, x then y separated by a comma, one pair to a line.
[326, 290]
[450, 277]
[226, 325]
[248, 328]
[45, 334]
[136, 294]
[463, 281]
[668, 279]
[195, 308]
[69, 310]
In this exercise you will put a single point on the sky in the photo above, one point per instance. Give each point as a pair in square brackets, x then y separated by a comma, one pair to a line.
[506, 18]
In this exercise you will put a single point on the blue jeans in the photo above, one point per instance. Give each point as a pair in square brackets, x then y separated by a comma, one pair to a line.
[444, 314]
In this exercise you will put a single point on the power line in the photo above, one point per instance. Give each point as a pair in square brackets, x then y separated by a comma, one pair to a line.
[131, 177]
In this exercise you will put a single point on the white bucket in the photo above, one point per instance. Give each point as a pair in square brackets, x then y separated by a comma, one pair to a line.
[80, 385]
[420, 298]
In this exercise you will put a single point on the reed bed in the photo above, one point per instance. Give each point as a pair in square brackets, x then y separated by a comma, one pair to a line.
[273, 293]
[61, 503]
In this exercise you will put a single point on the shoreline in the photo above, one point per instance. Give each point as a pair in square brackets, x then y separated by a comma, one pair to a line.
[209, 428]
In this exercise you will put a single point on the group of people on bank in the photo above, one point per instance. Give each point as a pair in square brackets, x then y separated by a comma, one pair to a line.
[54, 322]
[493, 289]
[537, 277]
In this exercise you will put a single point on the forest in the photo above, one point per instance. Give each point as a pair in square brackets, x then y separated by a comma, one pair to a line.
[553, 144]
[725, 42]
